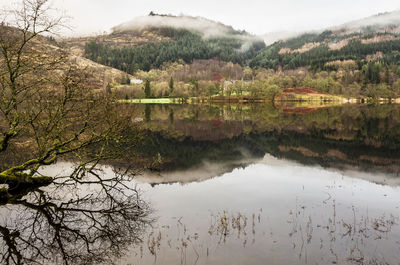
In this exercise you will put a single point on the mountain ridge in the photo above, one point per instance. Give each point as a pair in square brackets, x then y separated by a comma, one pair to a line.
[379, 20]
[147, 42]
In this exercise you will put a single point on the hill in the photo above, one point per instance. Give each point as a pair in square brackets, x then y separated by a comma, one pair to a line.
[383, 22]
[357, 59]
[149, 42]
[376, 38]
[48, 46]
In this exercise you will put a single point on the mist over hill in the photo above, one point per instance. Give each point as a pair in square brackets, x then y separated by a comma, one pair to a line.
[205, 27]
[199, 24]
[388, 21]
[271, 37]
[372, 39]
[383, 22]
[177, 38]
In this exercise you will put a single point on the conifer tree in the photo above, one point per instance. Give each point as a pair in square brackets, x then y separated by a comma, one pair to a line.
[147, 89]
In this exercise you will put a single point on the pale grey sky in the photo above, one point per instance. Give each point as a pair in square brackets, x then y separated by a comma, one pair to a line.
[255, 16]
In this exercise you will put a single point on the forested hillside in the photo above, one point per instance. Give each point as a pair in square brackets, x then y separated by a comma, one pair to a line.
[171, 41]
[317, 50]
[375, 38]
[358, 59]
[176, 43]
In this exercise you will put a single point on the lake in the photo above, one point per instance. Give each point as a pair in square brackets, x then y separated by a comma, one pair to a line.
[232, 184]
[258, 184]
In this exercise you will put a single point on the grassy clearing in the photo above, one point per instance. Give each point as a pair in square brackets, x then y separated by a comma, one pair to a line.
[153, 100]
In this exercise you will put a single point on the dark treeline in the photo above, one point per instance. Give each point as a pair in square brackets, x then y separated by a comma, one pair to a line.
[184, 45]
[371, 136]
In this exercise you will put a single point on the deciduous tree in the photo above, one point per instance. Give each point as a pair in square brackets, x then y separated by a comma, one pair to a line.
[50, 111]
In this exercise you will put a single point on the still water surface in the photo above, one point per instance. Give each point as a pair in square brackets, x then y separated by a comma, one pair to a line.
[287, 206]
[245, 184]
[273, 212]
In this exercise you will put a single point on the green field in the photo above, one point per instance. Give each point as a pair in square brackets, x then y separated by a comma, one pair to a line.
[153, 100]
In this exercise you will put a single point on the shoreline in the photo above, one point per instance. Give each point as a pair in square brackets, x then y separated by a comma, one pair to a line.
[298, 98]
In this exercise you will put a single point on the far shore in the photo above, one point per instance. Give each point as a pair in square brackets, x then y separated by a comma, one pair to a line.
[299, 98]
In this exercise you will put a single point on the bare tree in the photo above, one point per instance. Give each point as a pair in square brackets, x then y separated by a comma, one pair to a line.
[46, 104]
[48, 112]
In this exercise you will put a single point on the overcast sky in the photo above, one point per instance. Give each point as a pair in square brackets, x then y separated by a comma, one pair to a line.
[254, 16]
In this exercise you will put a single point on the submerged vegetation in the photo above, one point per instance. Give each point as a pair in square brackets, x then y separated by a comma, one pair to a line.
[342, 238]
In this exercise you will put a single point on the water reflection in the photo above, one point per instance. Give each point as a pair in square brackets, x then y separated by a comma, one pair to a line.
[277, 212]
[261, 184]
[86, 221]
[208, 170]
[350, 137]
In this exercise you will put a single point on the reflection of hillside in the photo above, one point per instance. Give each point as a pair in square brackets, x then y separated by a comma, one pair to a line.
[208, 170]
[310, 150]
[371, 125]
[350, 137]
[203, 171]
[212, 130]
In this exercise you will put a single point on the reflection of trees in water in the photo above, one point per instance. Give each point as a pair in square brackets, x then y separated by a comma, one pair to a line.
[49, 110]
[362, 137]
[372, 125]
[86, 221]
[171, 116]
[147, 113]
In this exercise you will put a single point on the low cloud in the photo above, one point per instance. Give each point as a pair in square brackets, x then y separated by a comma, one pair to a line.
[272, 37]
[207, 28]
[379, 21]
